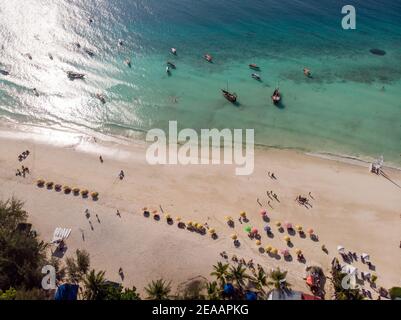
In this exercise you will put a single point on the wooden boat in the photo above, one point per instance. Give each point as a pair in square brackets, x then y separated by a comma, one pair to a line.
[232, 97]
[170, 64]
[254, 66]
[74, 75]
[256, 76]
[208, 57]
[276, 97]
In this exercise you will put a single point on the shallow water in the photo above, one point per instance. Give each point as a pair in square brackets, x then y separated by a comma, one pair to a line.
[352, 105]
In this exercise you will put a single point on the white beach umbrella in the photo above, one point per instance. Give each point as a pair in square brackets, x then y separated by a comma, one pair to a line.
[365, 256]
[340, 249]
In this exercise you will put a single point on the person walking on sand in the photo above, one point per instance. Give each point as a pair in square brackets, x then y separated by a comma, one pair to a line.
[118, 213]
[101, 159]
[121, 175]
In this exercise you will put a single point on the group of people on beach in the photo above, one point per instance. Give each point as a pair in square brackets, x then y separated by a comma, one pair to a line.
[23, 155]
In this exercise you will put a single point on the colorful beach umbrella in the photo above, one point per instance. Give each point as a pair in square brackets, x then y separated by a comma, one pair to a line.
[340, 249]
[263, 212]
[190, 223]
[274, 251]
[299, 228]
[285, 252]
[298, 251]
[258, 243]
[254, 230]
[234, 236]
[310, 231]
[212, 231]
[228, 218]
[287, 238]
[268, 248]
[168, 216]
[278, 224]
[267, 228]
[248, 229]
[309, 280]
[178, 219]
[243, 214]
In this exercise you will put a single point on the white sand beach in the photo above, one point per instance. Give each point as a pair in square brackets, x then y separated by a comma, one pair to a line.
[350, 207]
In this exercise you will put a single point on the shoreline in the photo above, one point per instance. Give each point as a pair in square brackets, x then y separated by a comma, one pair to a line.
[115, 142]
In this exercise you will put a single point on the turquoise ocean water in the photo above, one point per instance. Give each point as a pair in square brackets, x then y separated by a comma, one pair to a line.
[351, 106]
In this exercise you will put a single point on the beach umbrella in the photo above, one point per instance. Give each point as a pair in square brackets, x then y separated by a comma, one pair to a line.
[263, 212]
[212, 231]
[254, 230]
[365, 256]
[178, 219]
[267, 228]
[285, 252]
[274, 251]
[268, 248]
[278, 224]
[228, 289]
[243, 214]
[258, 243]
[340, 249]
[288, 225]
[190, 223]
[228, 218]
[250, 295]
[234, 236]
[287, 238]
[310, 231]
[168, 216]
[247, 229]
[298, 251]
[299, 228]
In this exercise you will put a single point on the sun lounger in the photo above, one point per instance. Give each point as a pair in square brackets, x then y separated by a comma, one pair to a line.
[60, 234]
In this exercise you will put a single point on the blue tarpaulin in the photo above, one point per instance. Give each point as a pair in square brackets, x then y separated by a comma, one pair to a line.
[67, 292]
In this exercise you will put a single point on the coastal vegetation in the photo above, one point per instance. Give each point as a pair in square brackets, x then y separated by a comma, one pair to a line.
[23, 255]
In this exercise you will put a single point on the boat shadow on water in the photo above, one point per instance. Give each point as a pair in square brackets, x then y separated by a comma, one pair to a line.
[280, 104]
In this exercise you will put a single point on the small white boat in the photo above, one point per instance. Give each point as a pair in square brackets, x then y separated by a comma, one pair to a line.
[174, 51]
[256, 76]
[168, 70]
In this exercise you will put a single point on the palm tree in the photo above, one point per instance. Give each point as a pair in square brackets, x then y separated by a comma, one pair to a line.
[213, 292]
[158, 290]
[278, 278]
[260, 280]
[221, 273]
[238, 274]
[95, 285]
[78, 267]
